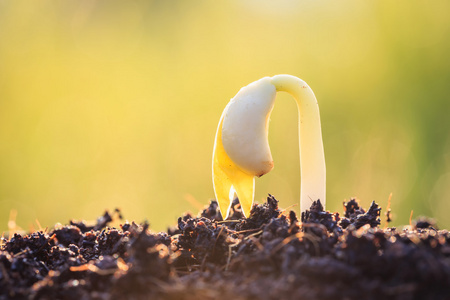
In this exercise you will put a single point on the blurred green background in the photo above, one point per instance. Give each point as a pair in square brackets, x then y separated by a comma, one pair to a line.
[107, 104]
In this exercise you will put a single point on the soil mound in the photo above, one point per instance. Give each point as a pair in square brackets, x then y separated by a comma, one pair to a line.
[270, 255]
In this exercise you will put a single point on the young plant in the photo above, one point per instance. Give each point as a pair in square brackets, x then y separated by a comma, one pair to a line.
[241, 149]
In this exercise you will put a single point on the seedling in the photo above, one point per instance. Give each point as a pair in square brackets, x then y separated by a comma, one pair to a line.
[241, 149]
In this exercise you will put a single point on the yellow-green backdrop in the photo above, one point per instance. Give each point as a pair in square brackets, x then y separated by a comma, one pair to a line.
[107, 104]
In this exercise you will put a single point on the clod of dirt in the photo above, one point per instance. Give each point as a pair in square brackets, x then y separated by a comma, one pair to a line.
[358, 217]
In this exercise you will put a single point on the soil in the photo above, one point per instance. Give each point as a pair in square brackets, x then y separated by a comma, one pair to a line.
[270, 255]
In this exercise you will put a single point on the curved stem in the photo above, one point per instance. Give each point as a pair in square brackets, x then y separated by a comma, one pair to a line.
[312, 158]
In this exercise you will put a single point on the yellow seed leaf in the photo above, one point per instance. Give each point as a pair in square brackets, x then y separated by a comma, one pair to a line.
[227, 175]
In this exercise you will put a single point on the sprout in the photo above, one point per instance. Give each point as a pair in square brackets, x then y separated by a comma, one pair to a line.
[241, 149]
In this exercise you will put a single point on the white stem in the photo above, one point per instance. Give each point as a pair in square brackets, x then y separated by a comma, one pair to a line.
[312, 158]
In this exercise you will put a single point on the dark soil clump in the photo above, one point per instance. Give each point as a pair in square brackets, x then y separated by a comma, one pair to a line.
[269, 255]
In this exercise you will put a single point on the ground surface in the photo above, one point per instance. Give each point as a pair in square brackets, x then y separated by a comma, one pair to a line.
[270, 255]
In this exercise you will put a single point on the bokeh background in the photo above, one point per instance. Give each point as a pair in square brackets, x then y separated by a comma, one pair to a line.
[107, 104]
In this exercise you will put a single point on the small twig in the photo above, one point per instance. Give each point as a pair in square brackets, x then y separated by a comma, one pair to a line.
[252, 235]
[410, 218]
[217, 238]
[229, 221]
[194, 202]
[229, 257]
[1, 240]
[248, 230]
[301, 235]
[21, 252]
[256, 242]
[94, 269]
[283, 211]
[38, 224]
[388, 212]
[285, 242]
[202, 266]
